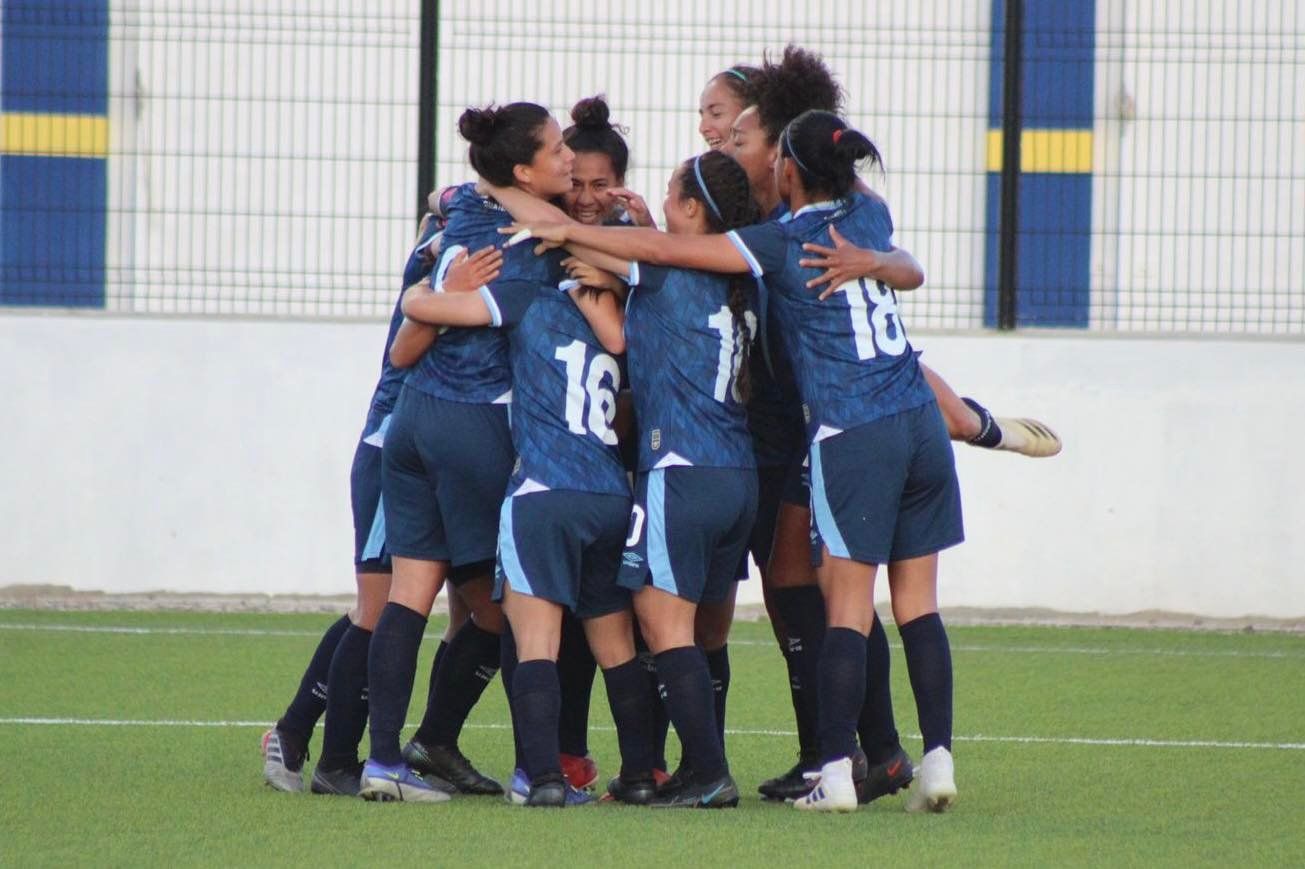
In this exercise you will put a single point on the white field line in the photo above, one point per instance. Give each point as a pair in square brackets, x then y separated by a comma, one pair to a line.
[956, 647]
[1137, 742]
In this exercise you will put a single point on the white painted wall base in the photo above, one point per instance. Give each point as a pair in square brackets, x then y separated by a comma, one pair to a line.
[213, 455]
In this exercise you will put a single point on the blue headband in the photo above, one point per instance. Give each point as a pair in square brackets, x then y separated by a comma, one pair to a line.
[702, 185]
[738, 75]
[792, 152]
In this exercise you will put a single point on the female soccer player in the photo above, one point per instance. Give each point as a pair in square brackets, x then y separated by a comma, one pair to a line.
[883, 479]
[335, 680]
[563, 523]
[447, 459]
[689, 334]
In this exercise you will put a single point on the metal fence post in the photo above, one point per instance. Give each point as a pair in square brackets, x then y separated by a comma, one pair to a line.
[1011, 129]
[427, 97]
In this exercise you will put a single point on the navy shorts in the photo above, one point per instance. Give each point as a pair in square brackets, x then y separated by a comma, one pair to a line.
[689, 530]
[887, 490]
[564, 547]
[369, 552]
[444, 472]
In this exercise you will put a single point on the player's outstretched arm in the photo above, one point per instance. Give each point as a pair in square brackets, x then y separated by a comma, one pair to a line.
[713, 253]
[411, 343]
[422, 304]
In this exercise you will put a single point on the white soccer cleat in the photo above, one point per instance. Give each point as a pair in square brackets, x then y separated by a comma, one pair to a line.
[1028, 437]
[834, 791]
[934, 788]
[283, 769]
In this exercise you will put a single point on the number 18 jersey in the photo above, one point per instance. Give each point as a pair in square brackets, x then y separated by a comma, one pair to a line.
[684, 349]
[850, 353]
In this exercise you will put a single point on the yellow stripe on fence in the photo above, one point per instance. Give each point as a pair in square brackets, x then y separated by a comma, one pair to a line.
[43, 135]
[1067, 151]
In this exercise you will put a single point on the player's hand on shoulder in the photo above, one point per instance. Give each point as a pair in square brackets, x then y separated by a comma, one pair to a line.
[841, 263]
[467, 273]
[592, 276]
[549, 235]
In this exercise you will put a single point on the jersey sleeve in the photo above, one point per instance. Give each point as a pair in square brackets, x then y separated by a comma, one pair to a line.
[508, 301]
[764, 246]
[647, 278]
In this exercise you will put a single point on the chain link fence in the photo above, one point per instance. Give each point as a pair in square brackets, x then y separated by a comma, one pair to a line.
[217, 158]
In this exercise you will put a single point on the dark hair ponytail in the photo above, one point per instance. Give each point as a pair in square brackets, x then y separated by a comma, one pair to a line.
[591, 132]
[826, 151]
[501, 138]
[721, 185]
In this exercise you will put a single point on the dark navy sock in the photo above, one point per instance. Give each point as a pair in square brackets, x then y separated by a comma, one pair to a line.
[718, 667]
[989, 432]
[466, 669]
[391, 669]
[576, 669]
[507, 663]
[842, 691]
[876, 727]
[632, 707]
[802, 612]
[690, 702]
[537, 697]
[438, 661]
[929, 663]
[310, 700]
[346, 700]
[661, 721]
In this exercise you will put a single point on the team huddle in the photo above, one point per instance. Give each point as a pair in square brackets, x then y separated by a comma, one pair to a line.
[585, 428]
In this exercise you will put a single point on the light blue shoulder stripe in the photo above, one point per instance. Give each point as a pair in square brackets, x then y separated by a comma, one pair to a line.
[747, 254]
[495, 315]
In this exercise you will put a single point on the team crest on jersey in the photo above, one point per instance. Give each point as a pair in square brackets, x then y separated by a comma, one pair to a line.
[655, 439]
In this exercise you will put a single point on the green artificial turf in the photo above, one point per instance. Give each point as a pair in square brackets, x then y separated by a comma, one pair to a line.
[1073, 746]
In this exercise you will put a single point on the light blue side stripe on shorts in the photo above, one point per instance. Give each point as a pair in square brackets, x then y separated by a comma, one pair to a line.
[374, 548]
[507, 550]
[825, 523]
[659, 556]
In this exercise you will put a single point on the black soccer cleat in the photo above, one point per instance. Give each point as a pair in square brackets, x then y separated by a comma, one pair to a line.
[634, 791]
[549, 793]
[447, 763]
[885, 778]
[792, 784]
[341, 782]
[689, 793]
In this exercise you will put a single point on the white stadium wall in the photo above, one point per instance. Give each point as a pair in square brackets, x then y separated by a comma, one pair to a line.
[202, 455]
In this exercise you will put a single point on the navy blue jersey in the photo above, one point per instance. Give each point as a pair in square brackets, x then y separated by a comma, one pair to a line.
[684, 350]
[774, 407]
[471, 364]
[564, 398]
[387, 388]
[850, 353]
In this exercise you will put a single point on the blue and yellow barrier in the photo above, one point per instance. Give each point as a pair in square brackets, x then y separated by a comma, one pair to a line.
[1055, 189]
[54, 145]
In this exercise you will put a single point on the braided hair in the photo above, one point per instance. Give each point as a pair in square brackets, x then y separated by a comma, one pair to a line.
[718, 182]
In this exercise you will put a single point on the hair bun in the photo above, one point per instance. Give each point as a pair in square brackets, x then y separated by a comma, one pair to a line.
[477, 125]
[592, 113]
